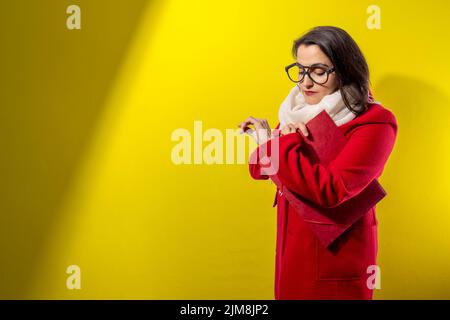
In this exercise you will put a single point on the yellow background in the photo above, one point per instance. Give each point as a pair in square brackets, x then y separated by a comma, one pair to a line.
[87, 116]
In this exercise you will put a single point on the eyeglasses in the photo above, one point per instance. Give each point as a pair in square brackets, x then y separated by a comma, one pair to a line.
[317, 72]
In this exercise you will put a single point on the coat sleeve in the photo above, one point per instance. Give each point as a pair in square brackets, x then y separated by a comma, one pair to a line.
[360, 162]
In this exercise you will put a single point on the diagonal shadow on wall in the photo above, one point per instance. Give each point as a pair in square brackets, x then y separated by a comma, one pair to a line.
[53, 87]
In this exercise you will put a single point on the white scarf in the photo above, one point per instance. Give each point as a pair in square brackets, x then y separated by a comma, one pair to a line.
[294, 108]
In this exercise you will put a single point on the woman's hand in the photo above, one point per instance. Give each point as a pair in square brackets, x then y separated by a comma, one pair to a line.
[262, 131]
[290, 128]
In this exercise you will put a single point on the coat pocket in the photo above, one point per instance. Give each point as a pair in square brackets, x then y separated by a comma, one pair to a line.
[349, 256]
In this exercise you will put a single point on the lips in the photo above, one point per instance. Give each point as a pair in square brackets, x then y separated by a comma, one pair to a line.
[310, 93]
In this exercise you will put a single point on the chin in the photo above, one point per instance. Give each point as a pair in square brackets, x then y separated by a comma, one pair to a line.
[312, 100]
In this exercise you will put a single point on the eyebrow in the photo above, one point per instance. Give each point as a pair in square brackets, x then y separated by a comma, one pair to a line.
[315, 65]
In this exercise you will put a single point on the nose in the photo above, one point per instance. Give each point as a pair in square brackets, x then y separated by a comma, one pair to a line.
[307, 82]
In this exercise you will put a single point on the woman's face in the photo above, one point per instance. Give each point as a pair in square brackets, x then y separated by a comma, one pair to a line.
[306, 56]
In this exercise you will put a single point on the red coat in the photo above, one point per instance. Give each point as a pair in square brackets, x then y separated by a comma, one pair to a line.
[304, 268]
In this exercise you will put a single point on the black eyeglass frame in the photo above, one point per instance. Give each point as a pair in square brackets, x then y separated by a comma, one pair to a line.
[327, 69]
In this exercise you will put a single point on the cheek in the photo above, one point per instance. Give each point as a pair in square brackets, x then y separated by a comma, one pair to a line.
[325, 90]
[322, 92]
[332, 83]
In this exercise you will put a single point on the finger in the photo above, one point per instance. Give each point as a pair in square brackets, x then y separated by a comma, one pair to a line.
[286, 129]
[266, 126]
[302, 127]
[246, 122]
[254, 121]
[292, 128]
[244, 126]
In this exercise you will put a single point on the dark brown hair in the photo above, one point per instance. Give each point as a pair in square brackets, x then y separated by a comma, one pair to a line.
[351, 67]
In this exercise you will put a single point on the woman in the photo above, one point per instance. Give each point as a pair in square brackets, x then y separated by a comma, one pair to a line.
[331, 74]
